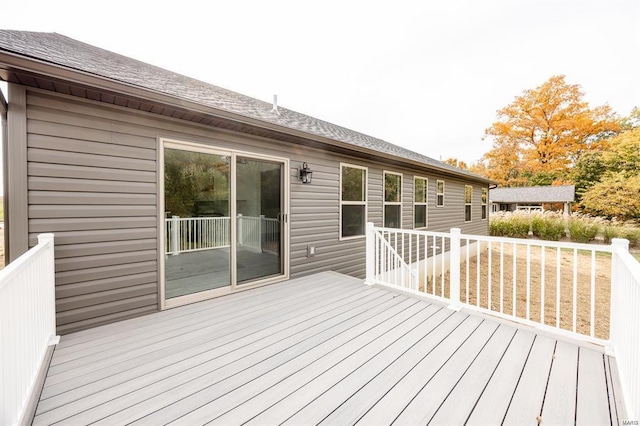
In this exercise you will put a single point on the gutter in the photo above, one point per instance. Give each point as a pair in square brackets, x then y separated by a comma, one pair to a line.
[15, 62]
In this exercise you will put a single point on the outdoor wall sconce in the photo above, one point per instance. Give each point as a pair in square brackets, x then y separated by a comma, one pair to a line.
[305, 173]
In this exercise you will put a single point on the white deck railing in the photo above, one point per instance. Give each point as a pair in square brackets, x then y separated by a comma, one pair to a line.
[205, 233]
[585, 291]
[27, 326]
[625, 323]
[187, 234]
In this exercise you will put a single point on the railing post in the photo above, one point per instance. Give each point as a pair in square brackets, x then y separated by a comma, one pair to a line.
[615, 303]
[370, 253]
[175, 235]
[454, 269]
[260, 222]
[49, 288]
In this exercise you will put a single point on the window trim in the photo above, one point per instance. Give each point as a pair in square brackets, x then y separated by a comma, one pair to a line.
[425, 203]
[437, 193]
[364, 203]
[470, 203]
[484, 201]
[386, 203]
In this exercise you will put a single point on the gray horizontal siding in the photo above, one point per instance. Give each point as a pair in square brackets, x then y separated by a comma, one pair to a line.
[93, 182]
[96, 190]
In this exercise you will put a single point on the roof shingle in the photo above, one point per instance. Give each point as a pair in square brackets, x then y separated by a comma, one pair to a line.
[533, 194]
[64, 51]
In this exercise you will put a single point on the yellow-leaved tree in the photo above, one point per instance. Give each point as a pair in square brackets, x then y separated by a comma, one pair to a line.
[543, 131]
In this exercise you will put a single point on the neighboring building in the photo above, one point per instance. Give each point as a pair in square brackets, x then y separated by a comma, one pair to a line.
[163, 190]
[532, 198]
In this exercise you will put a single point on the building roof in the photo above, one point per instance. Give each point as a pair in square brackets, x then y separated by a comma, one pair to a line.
[57, 49]
[533, 194]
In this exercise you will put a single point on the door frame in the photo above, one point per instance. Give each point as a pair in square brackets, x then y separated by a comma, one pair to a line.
[233, 287]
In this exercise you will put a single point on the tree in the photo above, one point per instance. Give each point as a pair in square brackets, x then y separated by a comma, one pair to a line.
[616, 195]
[632, 121]
[609, 182]
[456, 163]
[545, 130]
[587, 171]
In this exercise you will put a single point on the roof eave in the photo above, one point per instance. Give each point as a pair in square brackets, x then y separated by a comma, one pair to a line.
[13, 62]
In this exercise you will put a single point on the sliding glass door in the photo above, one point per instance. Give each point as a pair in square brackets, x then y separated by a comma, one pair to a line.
[224, 221]
[260, 218]
[197, 221]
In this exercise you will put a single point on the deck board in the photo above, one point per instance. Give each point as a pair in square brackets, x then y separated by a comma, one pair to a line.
[560, 399]
[206, 352]
[462, 399]
[323, 349]
[492, 404]
[232, 335]
[528, 396]
[592, 405]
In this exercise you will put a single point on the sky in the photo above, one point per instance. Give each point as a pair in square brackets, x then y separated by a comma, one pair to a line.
[426, 75]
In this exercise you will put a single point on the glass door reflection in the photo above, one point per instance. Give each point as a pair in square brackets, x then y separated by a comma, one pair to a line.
[197, 221]
[260, 219]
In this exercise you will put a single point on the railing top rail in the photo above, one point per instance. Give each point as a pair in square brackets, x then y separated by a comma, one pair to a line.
[522, 241]
[629, 262]
[413, 231]
[540, 243]
[10, 270]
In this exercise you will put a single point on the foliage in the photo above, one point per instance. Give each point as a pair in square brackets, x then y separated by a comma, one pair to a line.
[587, 171]
[632, 121]
[510, 225]
[545, 130]
[548, 227]
[624, 153]
[353, 184]
[610, 232]
[631, 234]
[541, 178]
[616, 195]
[191, 178]
[392, 187]
[582, 230]
[456, 163]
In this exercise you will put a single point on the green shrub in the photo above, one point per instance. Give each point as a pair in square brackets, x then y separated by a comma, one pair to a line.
[610, 232]
[510, 225]
[518, 226]
[497, 227]
[582, 230]
[631, 234]
[547, 227]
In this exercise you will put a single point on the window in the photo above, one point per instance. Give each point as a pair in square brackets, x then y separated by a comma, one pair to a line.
[468, 190]
[353, 200]
[420, 186]
[392, 200]
[440, 193]
[484, 203]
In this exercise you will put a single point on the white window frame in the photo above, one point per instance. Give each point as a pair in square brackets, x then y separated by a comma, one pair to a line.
[386, 203]
[420, 203]
[438, 193]
[484, 201]
[470, 203]
[355, 203]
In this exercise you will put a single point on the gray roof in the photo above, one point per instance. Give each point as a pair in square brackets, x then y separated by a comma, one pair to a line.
[66, 52]
[533, 194]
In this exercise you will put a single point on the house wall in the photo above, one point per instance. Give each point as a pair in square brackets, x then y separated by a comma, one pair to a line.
[92, 180]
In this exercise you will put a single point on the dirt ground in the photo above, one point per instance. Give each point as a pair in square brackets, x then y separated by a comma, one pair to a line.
[503, 271]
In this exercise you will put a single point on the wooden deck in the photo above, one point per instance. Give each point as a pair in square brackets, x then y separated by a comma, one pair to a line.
[323, 349]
